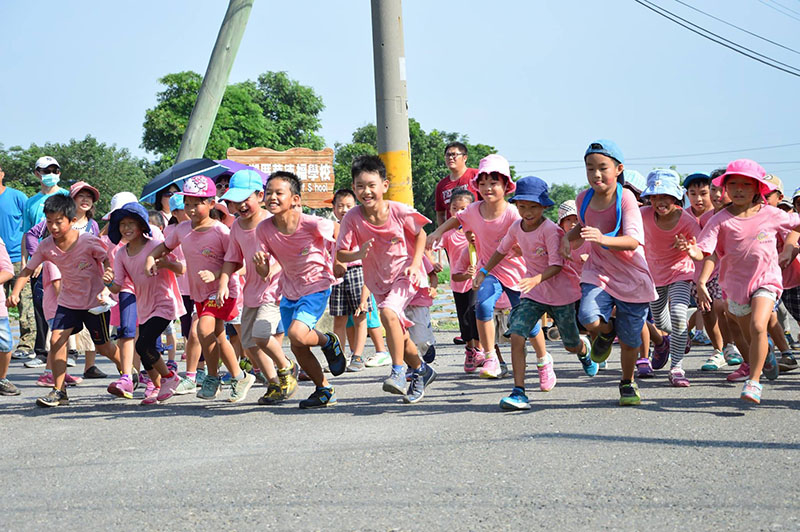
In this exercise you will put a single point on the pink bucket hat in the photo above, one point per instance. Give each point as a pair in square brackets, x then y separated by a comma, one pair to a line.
[746, 168]
[495, 163]
[199, 186]
[83, 185]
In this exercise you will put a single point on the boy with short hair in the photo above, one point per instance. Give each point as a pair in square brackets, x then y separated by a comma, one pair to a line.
[81, 257]
[391, 243]
[698, 190]
[298, 242]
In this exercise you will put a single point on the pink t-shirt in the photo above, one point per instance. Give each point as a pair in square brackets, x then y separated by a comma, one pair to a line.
[5, 266]
[623, 274]
[392, 246]
[455, 242]
[157, 296]
[667, 263]
[578, 257]
[183, 281]
[790, 274]
[423, 296]
[747, 250]
[81, 269]
[488, 234]
[242, 246]
[698, 266]
[50, 274]
[540, 249]
[303, 253]
[113, 249]
[203, 250]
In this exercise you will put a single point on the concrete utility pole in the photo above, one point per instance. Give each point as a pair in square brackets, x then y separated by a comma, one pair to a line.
[195, 138]
[394, 144]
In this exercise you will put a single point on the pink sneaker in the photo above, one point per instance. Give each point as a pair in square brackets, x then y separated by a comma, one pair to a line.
[469, 360]
[491, 368]
[168, 386]
[547, 377]
[480, 358]
[150, 394]
[121, 387]
[741, 374]
[45, 380]
[71, 380]
[677, 378]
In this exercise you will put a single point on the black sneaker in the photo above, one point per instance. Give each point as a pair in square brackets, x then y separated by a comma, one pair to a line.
[135, 378]
[54, 398]
[333, 354]
[601, 347]
[321, 398]
[94, 372]
[8, 388]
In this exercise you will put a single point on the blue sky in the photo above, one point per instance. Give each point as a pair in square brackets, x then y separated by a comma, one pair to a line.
[537, 79]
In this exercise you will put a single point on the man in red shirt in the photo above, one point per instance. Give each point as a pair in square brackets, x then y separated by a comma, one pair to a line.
[455, 157]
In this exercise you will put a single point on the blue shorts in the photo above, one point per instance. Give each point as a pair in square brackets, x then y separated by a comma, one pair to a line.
[97, 324]
[596, 303]
[6, 339]
[308, 309]
[373, 319]
[489, 293]
[127, 315]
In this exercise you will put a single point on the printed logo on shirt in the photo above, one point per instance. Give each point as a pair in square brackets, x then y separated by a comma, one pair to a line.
[394, 240]
[83, 265]
[540, 251]
[208, 252]
[305, 252]
[762, 236]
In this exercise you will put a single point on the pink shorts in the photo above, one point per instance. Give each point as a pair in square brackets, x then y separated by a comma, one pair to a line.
[397, 299]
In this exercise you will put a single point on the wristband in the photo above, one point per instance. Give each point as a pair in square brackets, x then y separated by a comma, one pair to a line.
[109, 285]
[483, 271]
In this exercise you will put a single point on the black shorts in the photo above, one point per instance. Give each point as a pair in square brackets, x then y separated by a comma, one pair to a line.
[346, 296]
[96, 324]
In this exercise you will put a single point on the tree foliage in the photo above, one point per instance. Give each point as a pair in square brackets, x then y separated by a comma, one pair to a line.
[560, 192]
[107, 168]
[273, 112]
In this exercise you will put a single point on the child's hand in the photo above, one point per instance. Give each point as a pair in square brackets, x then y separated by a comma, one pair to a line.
[684, 244]
[363, 307]
[37, 272]
[437, 267]
[477, 281]
[592, 234]
[471, 271]
[432, 292]
[363, 249]
[566, 248]
[150, 266]
[262, 263]
[527, 284]
[12, 300]
[207, 276]
[103, 295]
[339, 269]
[703, 298]
[108, 275]
[413, 274]
[786, 256]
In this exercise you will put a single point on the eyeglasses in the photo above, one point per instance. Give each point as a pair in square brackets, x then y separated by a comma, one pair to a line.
[45, 171]
[452, 154]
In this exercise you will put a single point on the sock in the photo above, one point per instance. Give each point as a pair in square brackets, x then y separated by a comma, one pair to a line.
[169, 375]
[324, 388]
[330, 340]
[520, 388]
[542, 361]
[420, 369]
[191, 375]
[46, 371]
[397, 368]
[240, 376]
[126, 376]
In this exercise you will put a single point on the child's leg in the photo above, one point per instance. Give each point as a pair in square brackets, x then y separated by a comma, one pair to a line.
[340, 329]
[485, 299]
[397, 338]
[776, 332]
[518, 359]
[57, 358]
[126, 352]
[193, 349]
[149, 354]
[235, 340]
[661, 315]
[377, 339]
[359, 334]
[679, 294]
[260, 360]
[539, 345]
[350, 333]
[302, 339]
[756, 324]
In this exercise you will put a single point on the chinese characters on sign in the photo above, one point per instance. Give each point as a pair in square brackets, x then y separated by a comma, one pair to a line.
[314, 168]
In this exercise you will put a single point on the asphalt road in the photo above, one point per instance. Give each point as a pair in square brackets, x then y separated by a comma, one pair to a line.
[696, 458]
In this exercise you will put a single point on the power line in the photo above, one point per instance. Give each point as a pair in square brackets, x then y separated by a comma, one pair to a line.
[737, 27]
[779, 10]
[672, 156]
[733, 46]
[786, 7]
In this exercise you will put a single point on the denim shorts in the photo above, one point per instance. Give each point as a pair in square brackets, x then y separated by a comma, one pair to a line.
[308, 309]
[489, 293]
[596, 303]
[529, 312]
[6, 339]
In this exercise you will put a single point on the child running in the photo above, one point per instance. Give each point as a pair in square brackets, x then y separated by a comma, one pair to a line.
[616, 273]
[260, 312]
[550, 286]
[390, 242]
[6, 340]
[298, 242]
[80, 257]
[204, 242]
[665, 223]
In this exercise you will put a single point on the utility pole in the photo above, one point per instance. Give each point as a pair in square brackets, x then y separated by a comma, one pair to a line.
[391, 99]
[195, 138]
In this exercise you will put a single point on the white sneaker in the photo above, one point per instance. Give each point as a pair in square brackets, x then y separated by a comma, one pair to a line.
[35, 362]
[381, 358]
[716, 361]
[23, 354]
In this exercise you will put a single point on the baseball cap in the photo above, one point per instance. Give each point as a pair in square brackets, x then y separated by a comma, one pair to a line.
[697, 176]
[242, 184]
[532, 188]
[176, 202]
[567, 208]
[785, 203]
[664, 181]
[83, 185]
[130, 210]
[45, 161]
[494, 163]
[775, 180]
[199, 186]
[118, 200]
[605, 147]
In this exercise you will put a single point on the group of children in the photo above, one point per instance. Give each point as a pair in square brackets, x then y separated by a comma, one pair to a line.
[253, 267]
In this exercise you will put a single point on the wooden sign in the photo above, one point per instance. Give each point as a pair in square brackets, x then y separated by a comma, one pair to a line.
[314, 168]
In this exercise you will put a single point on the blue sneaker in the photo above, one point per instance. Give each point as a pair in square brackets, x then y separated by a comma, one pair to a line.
[419, 381]
[590, 367]
[200, 376]
[771, 368]
[516, 401]
[210, 388]
[333, 354]
[428, 375]
[602, 365]
[395, 383]
[321, 398]
[225, 379]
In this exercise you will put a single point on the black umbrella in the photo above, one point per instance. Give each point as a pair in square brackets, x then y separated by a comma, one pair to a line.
[178, 173]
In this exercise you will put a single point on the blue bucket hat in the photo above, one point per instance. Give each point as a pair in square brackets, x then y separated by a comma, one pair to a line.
[176, 202]
[664, 181]
[243, 183]
[532, 188]
[129, 210]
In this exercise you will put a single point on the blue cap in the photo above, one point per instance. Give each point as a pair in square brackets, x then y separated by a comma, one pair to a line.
[176, 202]
[129, 210]
[664, 181]
[698, 176]
[243, 183]
[605, 147]
[532, 188]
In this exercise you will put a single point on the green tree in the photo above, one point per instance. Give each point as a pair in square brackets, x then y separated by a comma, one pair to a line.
[274, 112]
[560, 192]
[107, 168]
[427, 159]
